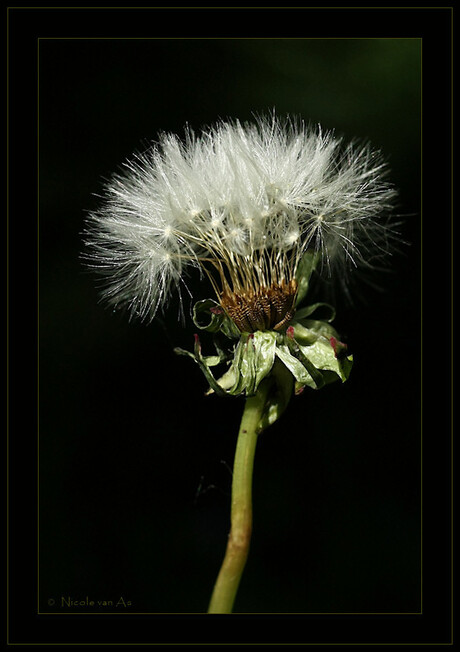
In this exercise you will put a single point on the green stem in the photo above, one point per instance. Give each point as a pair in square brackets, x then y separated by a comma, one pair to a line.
[239, 538]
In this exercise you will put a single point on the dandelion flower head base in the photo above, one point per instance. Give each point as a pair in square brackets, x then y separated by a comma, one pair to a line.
[267, 308]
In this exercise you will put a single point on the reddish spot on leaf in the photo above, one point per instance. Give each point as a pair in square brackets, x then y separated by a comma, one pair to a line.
[217, 310]
[290, 332]
[337, 345]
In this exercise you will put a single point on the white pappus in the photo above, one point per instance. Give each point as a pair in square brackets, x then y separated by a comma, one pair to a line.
[243, 203]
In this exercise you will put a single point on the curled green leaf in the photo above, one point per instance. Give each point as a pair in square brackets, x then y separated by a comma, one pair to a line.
[210, 316]
[305, 269]
[280, 394]
[252, 362]
[319, 311]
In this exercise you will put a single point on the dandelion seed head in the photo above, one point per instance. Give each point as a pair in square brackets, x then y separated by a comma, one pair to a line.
[242, 203]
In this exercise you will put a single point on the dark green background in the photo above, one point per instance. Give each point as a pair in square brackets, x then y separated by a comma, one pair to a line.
[127, 437]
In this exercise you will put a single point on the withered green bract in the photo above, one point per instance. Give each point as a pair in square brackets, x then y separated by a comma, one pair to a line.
[307, 353]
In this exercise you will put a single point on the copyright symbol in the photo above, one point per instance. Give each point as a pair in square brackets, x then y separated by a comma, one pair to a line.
[51, 602]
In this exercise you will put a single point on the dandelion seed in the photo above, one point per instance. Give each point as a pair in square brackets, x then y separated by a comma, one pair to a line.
[242, 203]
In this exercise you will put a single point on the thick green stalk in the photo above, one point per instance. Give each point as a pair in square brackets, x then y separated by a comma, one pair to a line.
[239, 539]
